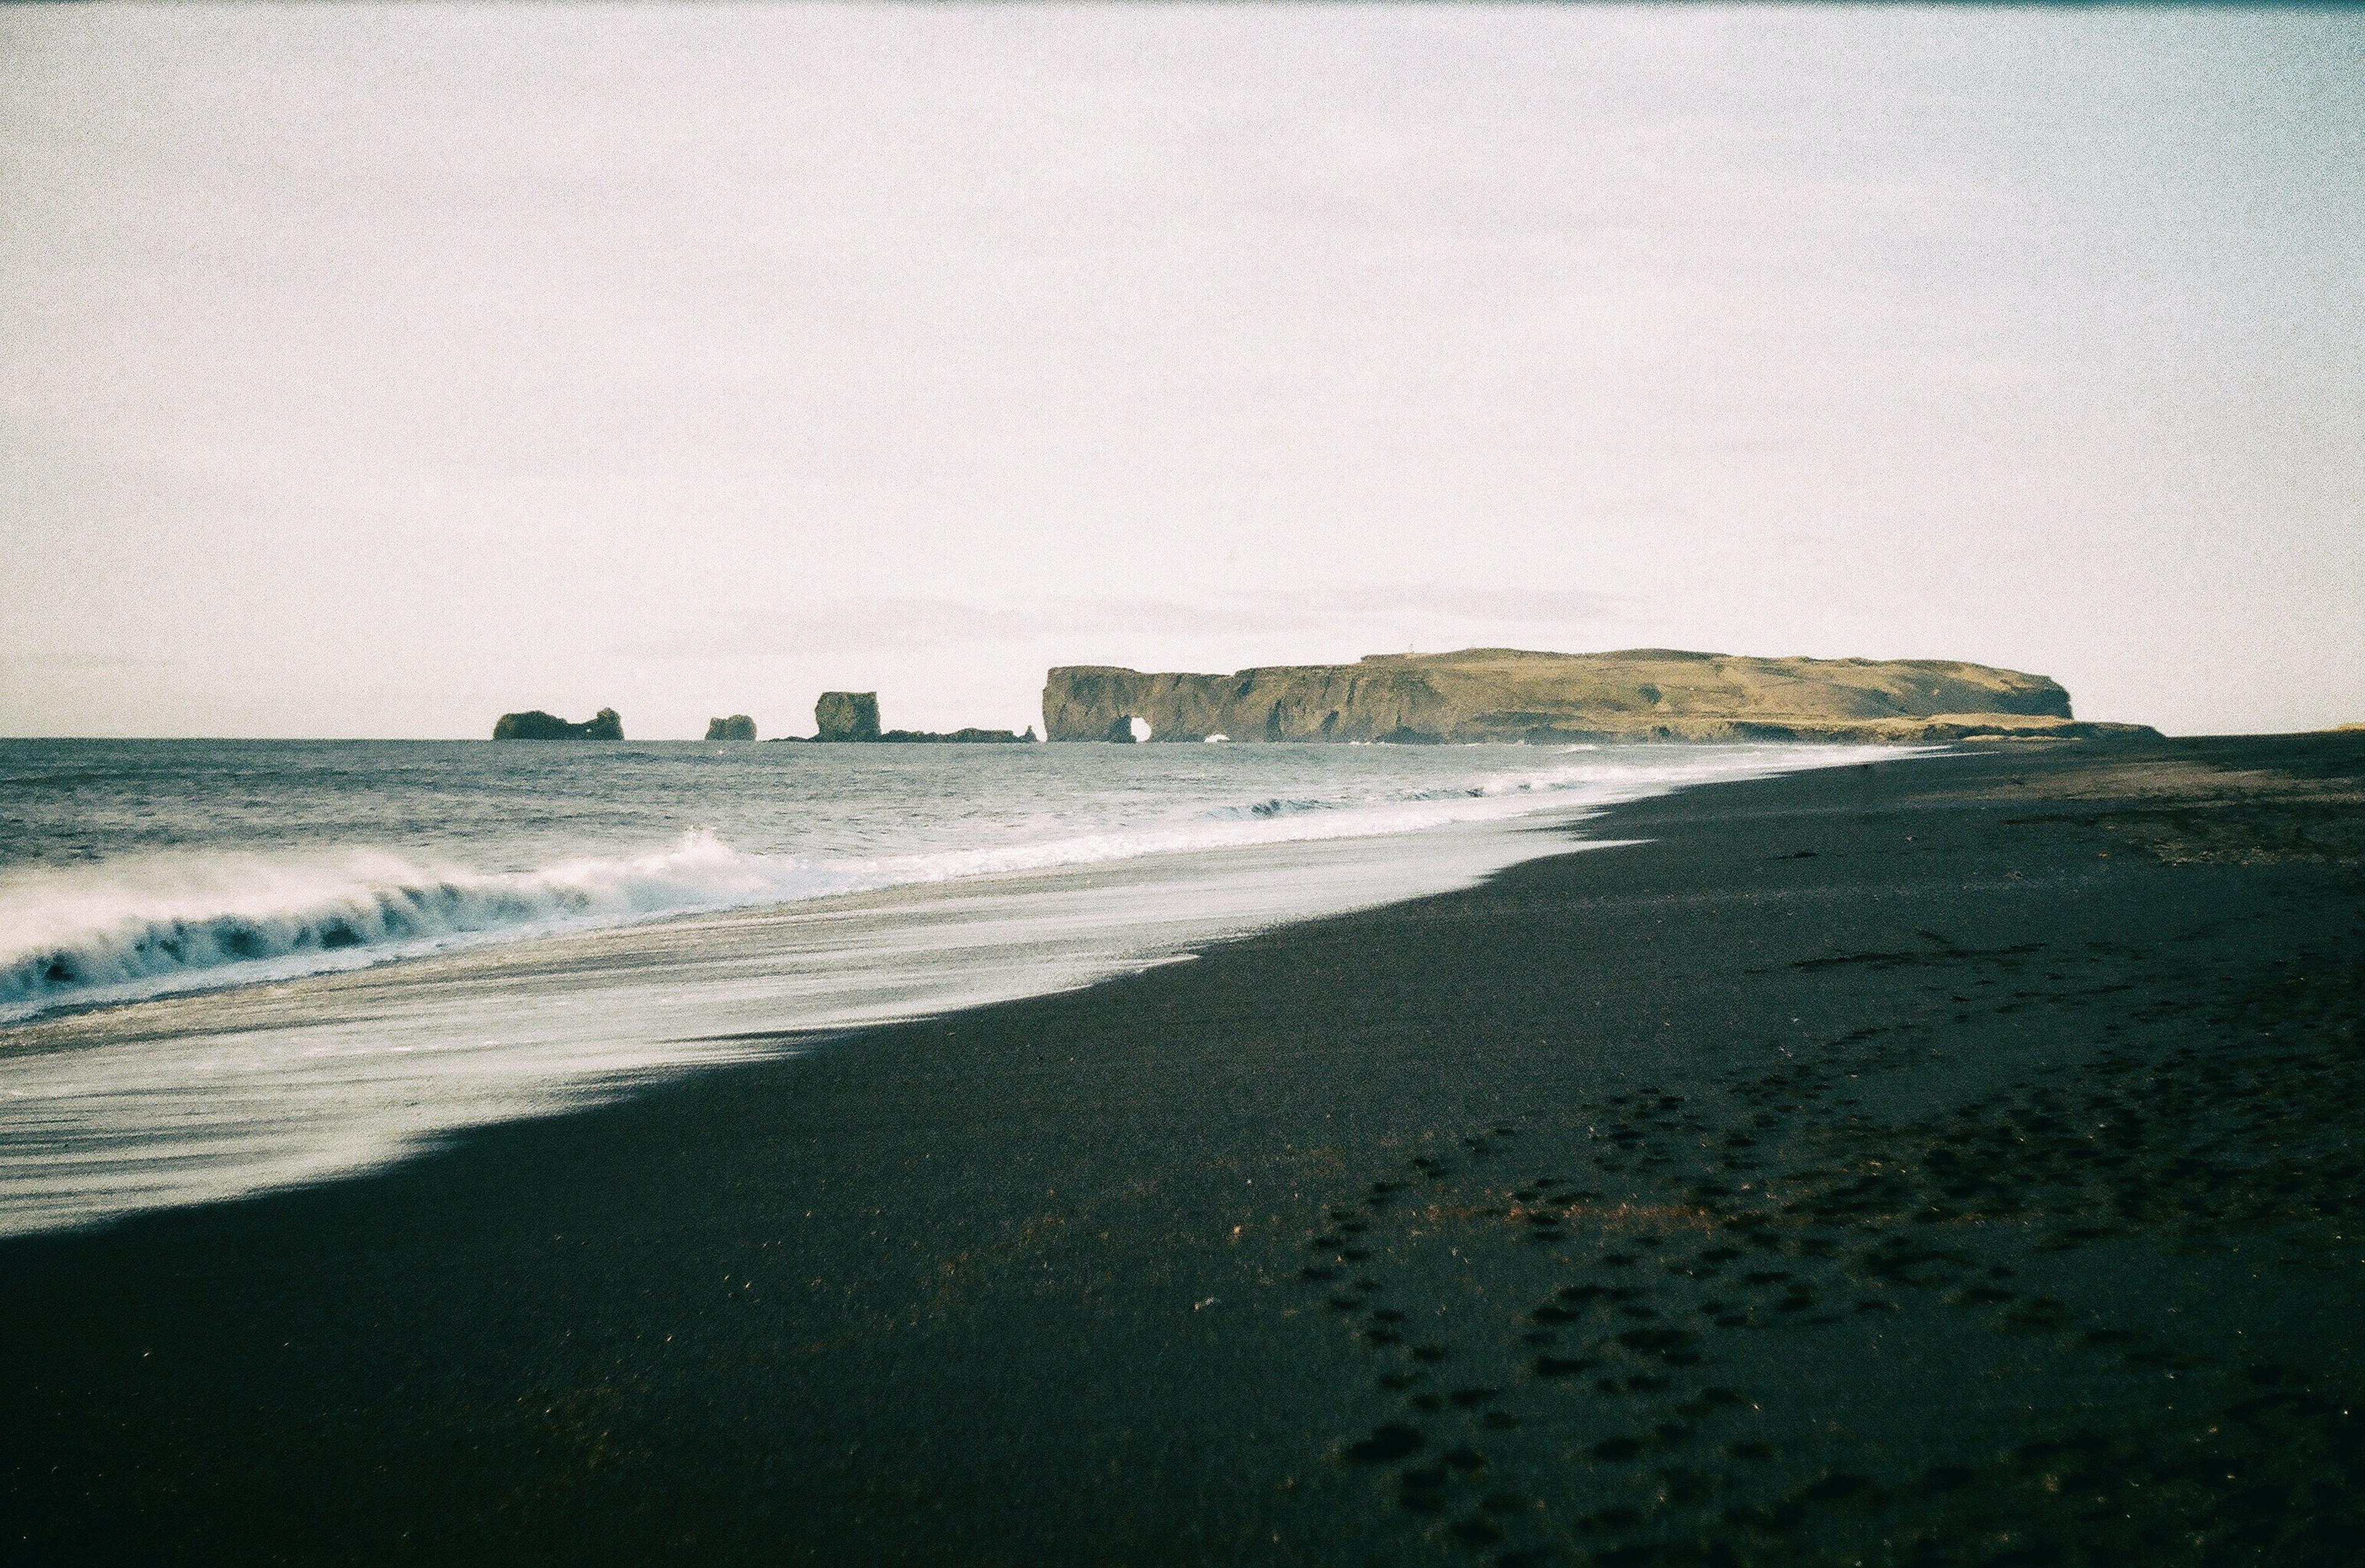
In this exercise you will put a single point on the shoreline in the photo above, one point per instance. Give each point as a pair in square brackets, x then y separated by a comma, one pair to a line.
[270, 1089]
[250, 1088]
[367, 917]
[1386, 1236]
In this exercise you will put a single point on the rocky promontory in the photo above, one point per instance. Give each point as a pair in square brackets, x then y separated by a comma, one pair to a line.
[738, 727]
[1508, 694]
[536, 725]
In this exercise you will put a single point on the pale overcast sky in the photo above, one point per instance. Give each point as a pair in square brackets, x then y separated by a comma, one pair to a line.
[369, 371]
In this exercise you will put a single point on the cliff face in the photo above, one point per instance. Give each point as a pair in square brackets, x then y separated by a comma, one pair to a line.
[536, 725]
[1503, 694]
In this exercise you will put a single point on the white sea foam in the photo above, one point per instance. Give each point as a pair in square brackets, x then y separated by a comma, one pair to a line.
[152, 924]
[535, 979]
[143, 924]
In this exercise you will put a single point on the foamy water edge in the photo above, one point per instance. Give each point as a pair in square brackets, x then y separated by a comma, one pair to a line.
[160, 925]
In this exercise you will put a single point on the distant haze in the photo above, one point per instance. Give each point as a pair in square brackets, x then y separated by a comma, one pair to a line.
[370, 371]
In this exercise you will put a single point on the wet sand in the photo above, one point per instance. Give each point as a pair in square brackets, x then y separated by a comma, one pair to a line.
[1953, 1160]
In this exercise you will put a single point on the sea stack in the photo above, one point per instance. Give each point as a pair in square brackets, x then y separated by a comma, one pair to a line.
[853, 717]
[738, 727]
[846, 716]
[533, 724]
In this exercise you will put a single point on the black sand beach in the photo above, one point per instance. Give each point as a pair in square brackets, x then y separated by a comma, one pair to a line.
[1952, 1161]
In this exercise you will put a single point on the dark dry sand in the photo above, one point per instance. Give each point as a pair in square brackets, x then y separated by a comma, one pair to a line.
[1947, 1161]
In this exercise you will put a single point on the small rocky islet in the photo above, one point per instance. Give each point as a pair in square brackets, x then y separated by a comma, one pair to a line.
[536, 725]
[839, 717]
[844, 717]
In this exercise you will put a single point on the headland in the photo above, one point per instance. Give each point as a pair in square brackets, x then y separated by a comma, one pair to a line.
[1508, 694]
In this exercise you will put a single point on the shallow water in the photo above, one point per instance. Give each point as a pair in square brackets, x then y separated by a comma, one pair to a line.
[236, 966]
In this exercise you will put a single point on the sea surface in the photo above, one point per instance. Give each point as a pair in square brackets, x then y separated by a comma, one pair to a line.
[227, 967]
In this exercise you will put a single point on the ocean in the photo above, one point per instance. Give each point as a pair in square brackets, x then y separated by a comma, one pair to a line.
[229, 967]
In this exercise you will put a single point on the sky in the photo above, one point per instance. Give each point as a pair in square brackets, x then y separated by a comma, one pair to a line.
[371, 370]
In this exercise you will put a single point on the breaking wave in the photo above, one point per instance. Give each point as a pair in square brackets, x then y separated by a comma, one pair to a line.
[143, 925]
[162, 923]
